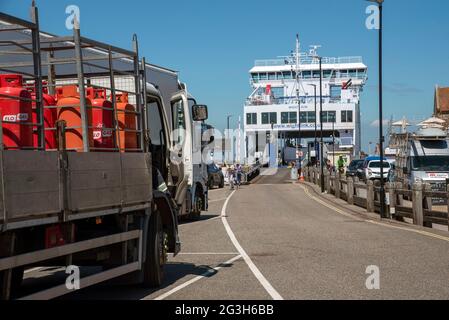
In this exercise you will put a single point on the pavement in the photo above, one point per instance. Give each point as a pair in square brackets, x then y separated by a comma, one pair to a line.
[275, 239]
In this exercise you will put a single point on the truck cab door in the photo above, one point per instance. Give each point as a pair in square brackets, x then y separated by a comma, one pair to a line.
[181, 151]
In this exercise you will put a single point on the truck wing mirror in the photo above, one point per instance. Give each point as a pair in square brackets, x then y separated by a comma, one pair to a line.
[199, 112]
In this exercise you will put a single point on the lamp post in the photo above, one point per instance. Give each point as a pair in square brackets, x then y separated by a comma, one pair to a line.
[298, 147]
[381, 134]
[227, 136]
[315, 141]
[321, 124]
[333, 143]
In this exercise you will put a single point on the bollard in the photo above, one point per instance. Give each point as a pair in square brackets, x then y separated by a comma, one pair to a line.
[427, 204]
[417, 199]
[370, 196]
[392, 198]
[337, 186]
[328, 184]
[448, 205]
[350, 191]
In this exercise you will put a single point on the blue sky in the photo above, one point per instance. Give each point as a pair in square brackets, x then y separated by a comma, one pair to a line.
[214, 43]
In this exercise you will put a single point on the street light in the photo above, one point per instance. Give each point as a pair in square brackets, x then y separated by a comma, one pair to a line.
[315, 141]
[228, 127]
[320, 59]
[333, 143]
[381, 134]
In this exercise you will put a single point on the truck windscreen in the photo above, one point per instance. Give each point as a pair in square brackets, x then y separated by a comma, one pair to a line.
[430, 163]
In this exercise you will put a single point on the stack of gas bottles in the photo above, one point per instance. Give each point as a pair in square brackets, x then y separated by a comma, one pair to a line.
[19, 117]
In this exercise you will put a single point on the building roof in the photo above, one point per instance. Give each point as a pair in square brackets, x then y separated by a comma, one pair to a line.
[441, 100]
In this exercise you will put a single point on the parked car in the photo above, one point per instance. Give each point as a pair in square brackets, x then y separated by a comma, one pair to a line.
[215, 176]
[372, 167]
[355, 169]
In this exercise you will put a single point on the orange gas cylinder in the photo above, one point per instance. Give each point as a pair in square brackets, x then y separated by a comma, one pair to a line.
[126, 121]
[15, 134]
[102, 119]
[69, 111]
[50, 117]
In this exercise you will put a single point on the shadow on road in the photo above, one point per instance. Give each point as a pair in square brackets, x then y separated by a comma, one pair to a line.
[174, 273]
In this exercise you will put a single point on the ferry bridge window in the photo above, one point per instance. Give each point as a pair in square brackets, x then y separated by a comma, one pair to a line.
[251, 118]
[272, 76]
[316, 74]
[361, 73]
[289, 118]
[287, 75]
[347, 116]
[307, 74]
[311, 116]
[352, 73]
[269, 117]
[329, 116]
[263, 76]
[327, 73]
[255, 77]
[343, 73]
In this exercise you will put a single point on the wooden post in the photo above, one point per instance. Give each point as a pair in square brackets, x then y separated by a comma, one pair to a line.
[427, 204]
[417, 199]
[370, 196]
[350, 190]
[392, 198]
[447, 205]
[337, 186]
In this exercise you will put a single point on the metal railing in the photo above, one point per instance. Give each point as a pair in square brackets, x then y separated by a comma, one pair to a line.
[73, 60]
[307, 61]
[253, 101]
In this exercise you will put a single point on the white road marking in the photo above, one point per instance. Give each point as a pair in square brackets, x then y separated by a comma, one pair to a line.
[191, 281]
[207, 253]
[216, 200]
[263, 281]
[34, 269]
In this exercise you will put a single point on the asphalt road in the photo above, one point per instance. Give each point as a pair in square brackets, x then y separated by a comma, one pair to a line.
[283, 240]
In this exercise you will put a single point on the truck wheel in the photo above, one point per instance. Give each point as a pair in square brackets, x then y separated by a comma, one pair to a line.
[16, 281]
[156, 253]
[210, 183]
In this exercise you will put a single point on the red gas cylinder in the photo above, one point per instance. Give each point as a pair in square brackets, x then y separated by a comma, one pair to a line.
[69, 111]
[102, 119]
[16, 134]
[50, 117]
[127, 120]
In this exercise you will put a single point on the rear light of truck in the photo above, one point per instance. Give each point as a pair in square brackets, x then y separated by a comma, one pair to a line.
[53, 237]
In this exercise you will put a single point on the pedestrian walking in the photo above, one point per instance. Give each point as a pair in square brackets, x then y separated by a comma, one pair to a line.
[238, 172]
[230, 173]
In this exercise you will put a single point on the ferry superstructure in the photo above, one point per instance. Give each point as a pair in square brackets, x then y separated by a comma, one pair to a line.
[282, 86]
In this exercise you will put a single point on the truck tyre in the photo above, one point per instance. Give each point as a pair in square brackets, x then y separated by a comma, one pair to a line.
[156, 253]
[16, 281]
[210, 183]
